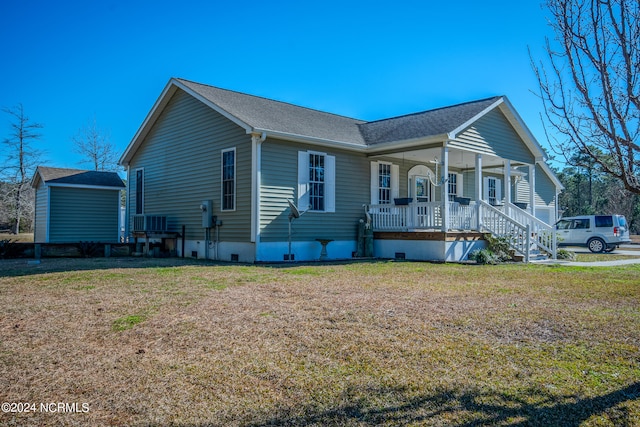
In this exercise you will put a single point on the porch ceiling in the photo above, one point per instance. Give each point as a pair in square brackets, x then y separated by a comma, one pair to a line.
[458, 159]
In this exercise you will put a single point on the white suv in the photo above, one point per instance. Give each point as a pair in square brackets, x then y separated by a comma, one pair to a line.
[600, 233]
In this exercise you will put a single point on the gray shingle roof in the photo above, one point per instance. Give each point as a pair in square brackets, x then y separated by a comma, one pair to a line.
[427, 123]
[79, 177]
[269, 115]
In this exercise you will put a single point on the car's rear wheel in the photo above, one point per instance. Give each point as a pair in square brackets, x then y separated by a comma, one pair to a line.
[596, 245]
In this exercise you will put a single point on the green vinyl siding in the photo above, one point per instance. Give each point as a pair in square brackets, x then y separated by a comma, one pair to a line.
[545, 188]
[279, 176]
[40, 227]
[83, 214]
[181, 157]
[493, 134]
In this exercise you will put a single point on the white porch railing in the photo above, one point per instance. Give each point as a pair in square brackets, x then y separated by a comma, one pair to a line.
[524, 231]
[423, 216]
[543, 234]
[500, 224]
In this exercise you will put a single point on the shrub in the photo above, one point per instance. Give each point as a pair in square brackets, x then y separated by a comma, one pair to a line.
[565, 254]
[484, 256]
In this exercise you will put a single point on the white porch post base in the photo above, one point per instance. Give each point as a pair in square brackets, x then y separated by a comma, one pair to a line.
[445, 189]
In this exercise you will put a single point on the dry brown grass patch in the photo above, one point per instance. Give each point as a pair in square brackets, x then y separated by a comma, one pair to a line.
[351, 344]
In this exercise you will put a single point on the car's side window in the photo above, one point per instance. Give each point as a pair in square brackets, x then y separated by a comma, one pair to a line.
[604, 221]
[580, 223]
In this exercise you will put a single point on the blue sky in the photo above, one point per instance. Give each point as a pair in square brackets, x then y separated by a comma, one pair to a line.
[68, 62]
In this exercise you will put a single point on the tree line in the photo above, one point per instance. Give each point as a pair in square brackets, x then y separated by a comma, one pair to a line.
[22, 157]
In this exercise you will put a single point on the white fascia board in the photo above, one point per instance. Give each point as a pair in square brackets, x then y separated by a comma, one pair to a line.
[403, 145]
[213, 106]
[35, 178]
[547, 169]
[310, 140]
[454, 133]
[529, 139]
[513, 117]
[90, 187]
[152, 116]
[158, 107]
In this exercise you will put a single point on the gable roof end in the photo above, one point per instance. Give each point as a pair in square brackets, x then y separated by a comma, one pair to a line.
[438, 122]
[76, 177]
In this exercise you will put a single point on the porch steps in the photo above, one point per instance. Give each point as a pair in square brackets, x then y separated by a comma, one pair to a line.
[534, 255]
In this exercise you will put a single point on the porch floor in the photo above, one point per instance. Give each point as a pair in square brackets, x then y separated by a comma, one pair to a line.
[431, 235]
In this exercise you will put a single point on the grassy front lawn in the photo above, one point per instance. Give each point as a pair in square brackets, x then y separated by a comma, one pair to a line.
[148, 342]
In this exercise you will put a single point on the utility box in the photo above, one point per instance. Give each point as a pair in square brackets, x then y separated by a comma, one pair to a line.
[207, 213]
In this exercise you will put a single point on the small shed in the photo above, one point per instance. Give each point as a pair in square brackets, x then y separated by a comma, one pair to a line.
[73, 205]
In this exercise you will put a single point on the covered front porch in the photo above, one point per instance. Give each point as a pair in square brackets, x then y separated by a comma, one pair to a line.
[450, 189]
[470, 167]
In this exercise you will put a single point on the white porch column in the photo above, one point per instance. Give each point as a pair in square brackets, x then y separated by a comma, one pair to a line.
[479, 188]
[507, 181]
[532, 189]
[478, 177]
[445, 189]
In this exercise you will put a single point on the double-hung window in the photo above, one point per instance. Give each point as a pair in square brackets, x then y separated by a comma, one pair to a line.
[316, 181]
[384, 183]
[493, 190]
[454, 184]
[229, 179]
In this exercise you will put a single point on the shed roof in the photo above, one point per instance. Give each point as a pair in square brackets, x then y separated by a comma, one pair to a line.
[76, 177]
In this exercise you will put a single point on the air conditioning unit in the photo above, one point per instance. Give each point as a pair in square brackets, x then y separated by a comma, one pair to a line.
[149, 223]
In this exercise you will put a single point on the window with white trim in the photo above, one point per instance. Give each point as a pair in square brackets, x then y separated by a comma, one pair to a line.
[384, 182]
[492, 190]
[316, 181]
[454, 184]
[228, 179]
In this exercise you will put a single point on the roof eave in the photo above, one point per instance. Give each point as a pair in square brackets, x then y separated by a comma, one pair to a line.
[406, 143]
[93, 187]
[157, 109]
[144, 128]
[36, 177]
[513, 117]
[454, 133]
[308, 139]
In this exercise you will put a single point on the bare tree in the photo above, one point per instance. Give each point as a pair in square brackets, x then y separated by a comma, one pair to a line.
[589, 84]
[94, 145]
[20, 163]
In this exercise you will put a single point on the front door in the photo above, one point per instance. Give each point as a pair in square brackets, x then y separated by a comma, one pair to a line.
[423, 189]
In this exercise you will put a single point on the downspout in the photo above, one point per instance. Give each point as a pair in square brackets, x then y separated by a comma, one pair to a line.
[256, 179]
[126, 205]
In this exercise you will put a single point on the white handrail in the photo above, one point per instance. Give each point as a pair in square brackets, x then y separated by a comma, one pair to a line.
[500, 224]
[544, 234]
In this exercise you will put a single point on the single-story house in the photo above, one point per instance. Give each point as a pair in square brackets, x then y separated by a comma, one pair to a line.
[231, 168]
[76, 205]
